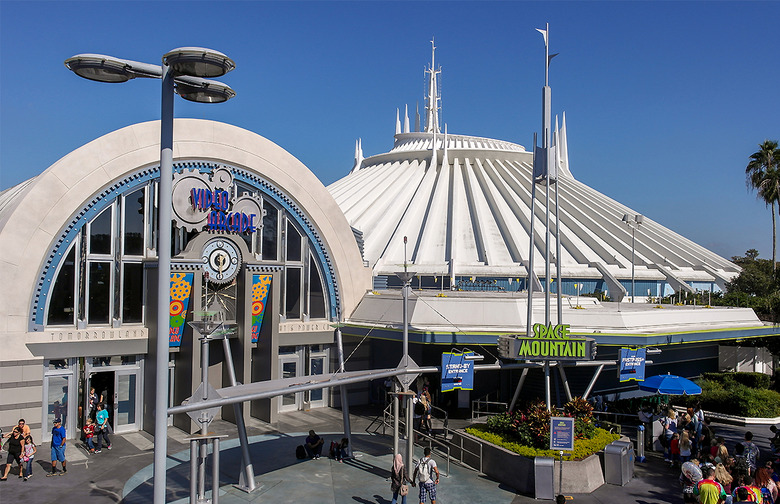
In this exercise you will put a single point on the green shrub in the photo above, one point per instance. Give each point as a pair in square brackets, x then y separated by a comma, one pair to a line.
[752, 380]
[583, 448]
[731, 396]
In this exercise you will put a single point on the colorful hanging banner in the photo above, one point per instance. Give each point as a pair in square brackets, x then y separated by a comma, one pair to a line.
[260, 287]
[632, 364]
[456, 371]
[181, 287]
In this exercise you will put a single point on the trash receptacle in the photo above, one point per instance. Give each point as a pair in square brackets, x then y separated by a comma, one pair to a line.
[544, 471]
[616, 463]
[631, 457]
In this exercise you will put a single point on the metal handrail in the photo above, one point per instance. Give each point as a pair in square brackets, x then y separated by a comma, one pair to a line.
[446, 415]
[477, 404]
[434, 440]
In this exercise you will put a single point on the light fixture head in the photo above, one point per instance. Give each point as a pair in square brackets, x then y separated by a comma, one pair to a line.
[99, 67]
[473, 357]
[198, 62]
[203, 90]
[625, 218]
[639, 218]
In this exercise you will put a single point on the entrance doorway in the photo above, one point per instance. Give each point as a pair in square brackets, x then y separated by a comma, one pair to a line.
[308, 360]
[117, 383]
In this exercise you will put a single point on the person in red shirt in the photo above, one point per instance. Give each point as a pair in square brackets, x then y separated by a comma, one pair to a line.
[674, 449]
[89, 433]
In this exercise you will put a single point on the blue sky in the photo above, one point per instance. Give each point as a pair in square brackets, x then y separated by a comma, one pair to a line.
[665, 101]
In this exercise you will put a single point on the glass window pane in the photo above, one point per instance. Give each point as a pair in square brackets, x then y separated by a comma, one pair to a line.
[125, 411]
[57, 400]
[61, 297]
[100, 233]
[99, 292]
[132, 293]
[292, 294]
[289, 370]
[287, 350]
[316, 369]
[316, 294]
[58, 364]
[293, 243]
[270, 232]
[134, 223]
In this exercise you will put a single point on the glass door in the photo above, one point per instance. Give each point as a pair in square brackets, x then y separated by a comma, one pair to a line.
[289, 368]
[58, 386]
[318, 364]
[126, 401]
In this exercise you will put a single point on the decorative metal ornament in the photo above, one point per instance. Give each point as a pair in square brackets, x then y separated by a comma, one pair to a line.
[221, 260]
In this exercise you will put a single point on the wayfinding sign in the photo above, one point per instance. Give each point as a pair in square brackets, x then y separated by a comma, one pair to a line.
[457, 372]
[632, 364]
[562, 434]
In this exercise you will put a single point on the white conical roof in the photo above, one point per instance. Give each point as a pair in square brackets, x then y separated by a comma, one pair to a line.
[464, 203]
[474, 212]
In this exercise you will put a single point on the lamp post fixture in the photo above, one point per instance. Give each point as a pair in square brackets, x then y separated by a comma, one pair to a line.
[633, 221]
[183, 71]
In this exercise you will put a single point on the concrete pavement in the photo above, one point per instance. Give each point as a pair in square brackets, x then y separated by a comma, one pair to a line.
[124, 474]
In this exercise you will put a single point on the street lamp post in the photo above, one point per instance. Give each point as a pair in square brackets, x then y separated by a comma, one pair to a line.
[633, 221]
[183, 71]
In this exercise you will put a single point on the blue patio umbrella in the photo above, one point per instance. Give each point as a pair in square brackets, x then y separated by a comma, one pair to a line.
[670, 384]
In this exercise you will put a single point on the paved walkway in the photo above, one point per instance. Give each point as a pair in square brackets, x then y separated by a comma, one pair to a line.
[124, 474]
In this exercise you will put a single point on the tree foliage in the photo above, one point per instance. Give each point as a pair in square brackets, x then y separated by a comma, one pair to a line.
[763, 175]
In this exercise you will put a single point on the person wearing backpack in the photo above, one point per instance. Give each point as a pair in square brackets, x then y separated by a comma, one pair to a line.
[424, 474]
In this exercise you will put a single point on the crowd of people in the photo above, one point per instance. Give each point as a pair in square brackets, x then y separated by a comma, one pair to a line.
[710, 472]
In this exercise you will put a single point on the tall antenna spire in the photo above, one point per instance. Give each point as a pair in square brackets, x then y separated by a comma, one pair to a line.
[406, 119]
[432, 106]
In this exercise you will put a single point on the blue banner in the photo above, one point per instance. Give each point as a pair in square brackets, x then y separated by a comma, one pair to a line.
[632, 364]
[456, 371]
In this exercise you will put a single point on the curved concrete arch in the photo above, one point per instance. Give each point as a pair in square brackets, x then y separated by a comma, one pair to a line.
[34, 219]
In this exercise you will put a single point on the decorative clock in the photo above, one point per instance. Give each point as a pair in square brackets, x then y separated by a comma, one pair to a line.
[221, 260]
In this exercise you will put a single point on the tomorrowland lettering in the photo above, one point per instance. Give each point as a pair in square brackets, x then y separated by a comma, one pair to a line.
[550, 342]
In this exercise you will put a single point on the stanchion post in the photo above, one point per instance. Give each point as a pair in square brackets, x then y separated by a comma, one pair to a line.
[640, 443]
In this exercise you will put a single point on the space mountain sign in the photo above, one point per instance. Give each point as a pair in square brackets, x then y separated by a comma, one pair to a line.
[549, 342]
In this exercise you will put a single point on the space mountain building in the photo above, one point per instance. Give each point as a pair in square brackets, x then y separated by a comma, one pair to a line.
[456, 209]
[289, 265]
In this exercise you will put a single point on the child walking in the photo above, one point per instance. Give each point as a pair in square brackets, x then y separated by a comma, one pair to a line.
[27, 457]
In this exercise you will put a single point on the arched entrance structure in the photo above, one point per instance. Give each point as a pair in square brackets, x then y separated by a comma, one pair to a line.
[78, 258]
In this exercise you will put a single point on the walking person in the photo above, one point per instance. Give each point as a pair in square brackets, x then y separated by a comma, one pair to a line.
[93, 402]
[399, 479]
[89, 435]
[58, 435]
[102, 428]
[752, 453]
[15, 448]
[427, 474]
[28, 455]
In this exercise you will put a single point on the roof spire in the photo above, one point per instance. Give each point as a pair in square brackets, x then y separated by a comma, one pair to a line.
[417, 118]
[406, 119]
[397, 122]
[432, 106]
[358, 155]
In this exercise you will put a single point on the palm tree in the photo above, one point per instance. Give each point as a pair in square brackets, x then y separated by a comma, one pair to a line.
[763, 175]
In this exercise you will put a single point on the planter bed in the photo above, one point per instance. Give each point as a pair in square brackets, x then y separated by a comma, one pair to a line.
[517, 471]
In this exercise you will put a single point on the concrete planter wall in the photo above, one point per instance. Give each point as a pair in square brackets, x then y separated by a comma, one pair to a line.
[516, 471]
